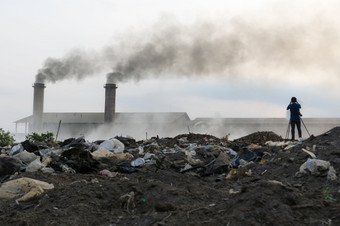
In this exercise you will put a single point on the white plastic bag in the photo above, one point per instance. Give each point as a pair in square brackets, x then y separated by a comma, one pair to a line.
[113, 145]
[314, 166]
[34, 166]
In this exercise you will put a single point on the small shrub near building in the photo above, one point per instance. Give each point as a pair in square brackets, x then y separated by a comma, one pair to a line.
[6, 139]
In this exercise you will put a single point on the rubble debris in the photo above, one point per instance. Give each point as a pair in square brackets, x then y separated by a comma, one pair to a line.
[79, 160]
[316, 166]
[16, 149]
[331, 175]
[113, 145]
[29, 146]
[104, 153]
[220, 165]
[127, 201]
[126, 168]
[9, 166]
[128, 142]
[26, 157]
[310, 153]
[79, 143]
[108, 173]
[23, 189]
[247, 155]
[200, 139]
[194, 176]
[138, 162]
[34, 166]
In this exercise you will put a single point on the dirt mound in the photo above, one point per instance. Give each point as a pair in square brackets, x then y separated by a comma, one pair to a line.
[259, 138]
[198, 138]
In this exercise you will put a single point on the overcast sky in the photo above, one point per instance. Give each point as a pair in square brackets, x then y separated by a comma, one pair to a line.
[215, 58]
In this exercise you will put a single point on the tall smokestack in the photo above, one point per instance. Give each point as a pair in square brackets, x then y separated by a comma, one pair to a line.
[110, 102]
[38, 106]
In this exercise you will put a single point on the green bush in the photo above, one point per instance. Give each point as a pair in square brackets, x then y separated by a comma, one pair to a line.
[47, 137]
[5, 138]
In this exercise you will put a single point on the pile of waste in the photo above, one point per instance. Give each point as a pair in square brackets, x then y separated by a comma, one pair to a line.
[190, 179]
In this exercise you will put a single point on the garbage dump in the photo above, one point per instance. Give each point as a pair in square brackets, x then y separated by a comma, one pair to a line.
[189, 179]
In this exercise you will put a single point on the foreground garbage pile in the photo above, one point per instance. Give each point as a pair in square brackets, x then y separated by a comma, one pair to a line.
[191, 179]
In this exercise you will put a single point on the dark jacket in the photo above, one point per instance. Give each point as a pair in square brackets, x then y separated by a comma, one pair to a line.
[294, 110]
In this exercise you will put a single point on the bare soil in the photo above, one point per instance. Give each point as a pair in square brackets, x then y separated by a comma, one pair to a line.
[266, 191]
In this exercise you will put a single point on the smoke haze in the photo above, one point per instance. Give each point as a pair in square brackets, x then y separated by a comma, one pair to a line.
[230, 48]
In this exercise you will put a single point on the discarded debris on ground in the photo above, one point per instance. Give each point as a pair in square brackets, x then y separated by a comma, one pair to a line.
[191, 179]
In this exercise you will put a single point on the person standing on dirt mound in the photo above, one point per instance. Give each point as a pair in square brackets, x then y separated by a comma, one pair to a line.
[295, 114]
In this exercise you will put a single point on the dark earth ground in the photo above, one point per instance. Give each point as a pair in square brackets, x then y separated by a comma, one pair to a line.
[266, 191]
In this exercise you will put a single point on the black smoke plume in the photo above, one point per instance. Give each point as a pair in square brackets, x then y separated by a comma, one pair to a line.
[227, 49]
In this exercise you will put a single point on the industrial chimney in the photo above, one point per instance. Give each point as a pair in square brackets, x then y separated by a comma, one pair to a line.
[110, 102]
[38, 106]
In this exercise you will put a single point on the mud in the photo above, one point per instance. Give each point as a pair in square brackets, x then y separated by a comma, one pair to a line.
[265, 191]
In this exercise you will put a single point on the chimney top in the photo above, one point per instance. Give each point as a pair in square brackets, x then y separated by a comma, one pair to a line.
[39, 84]
[110, 85]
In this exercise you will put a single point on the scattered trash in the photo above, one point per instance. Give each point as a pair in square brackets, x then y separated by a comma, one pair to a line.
[310, 153]
[126, 168]
[79, 160]
[67, 169]
[186, 168]
[127, 201]
[220, 165]
[316, 166]
[159, 175]
[290, 146]
[47, 170]
[26, 157]
[29, 147]
[138, 162]
[94, 181]
[248, 155]
[331, 175]
[232, 173]
[108, 173]
[74, 143]
[277, 143]
[23, 189]
[113, 145]
[149, 156]
[50, 151]
[233, 192]
[253, 146]
[34, 166]
[16, 149]
[104, 153]
[231, 152]
[8, 166]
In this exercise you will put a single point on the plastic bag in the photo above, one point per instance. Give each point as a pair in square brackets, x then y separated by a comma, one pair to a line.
[34, 166]
[16, 149]
[113, 145]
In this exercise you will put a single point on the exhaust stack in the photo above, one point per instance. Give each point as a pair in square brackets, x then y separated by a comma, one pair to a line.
[38, 106]
[110, 102]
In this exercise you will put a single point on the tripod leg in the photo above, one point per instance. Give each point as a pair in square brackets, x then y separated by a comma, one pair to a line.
[287, 133]
[305, 127]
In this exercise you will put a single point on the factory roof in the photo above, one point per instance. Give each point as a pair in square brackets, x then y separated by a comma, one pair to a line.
[98, 117]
